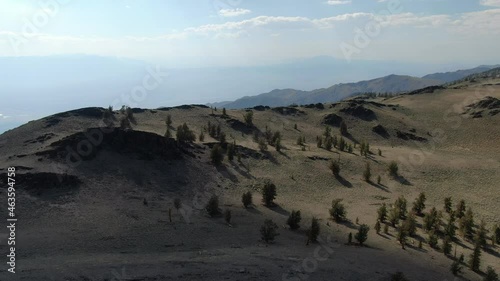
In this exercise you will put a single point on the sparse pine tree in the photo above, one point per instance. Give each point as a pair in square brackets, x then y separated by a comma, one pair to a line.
[431, 220]
[338, 211]
[495, 238]
[367, 149]
[393, 169]
[328, 143]
[319, 142]
[448, 205]
[212, 130]
[382, 213]
[466, 224]
[349, 148]
[246, 199]
[328, 132]
[168, 134]
[222, 137]
[295, 126]
[410, 224]
[201, 137]
[125, 124]
[362, 234]
[402, 236]
[386, 228]
[394, 216]
[313, 231]
[349, 238]
[378, 227]
[334, 167]
[129, 113]
[419, 204]
[367, 174]
[433, 240]
[475, 258]
[401, 204]
[224, 113]
[276, 137]
[447, 246]
[277, 144]
[456, 268]
[216, 155]
[379, 152]
[379, 180]
[168, 122]
[362, 148]
[490, 275]
[342, 144]
[269, 231]
[268, 134]
[184, 134]
[460, 212]
[481, 234]
[212, 206]
[248, 118]
[450, 228]
[269, 193]
[343, 129]
[294, 220]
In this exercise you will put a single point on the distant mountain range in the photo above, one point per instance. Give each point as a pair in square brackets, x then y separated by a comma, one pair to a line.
[62, 83]
[387, 84]
[447, 77]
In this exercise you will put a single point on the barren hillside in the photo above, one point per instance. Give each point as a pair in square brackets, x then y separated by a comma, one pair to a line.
[93, 200]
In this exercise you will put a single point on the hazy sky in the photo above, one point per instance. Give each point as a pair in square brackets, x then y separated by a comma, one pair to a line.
[248, 32]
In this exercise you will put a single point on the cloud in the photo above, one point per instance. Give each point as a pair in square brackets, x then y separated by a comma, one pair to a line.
[256, 30]
[483, 22]
[338, 2]
[493, 3]
[260, 21]
[233, 12]
[414, 20]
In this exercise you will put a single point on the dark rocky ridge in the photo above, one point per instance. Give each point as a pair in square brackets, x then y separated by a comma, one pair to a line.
[487, 106]
[379, 129]
[356, 109]
[288, 111]
[86, 145]
[41, 183]
[332, 120]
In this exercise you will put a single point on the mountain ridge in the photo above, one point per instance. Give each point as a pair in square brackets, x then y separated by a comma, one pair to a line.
[392, 83]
